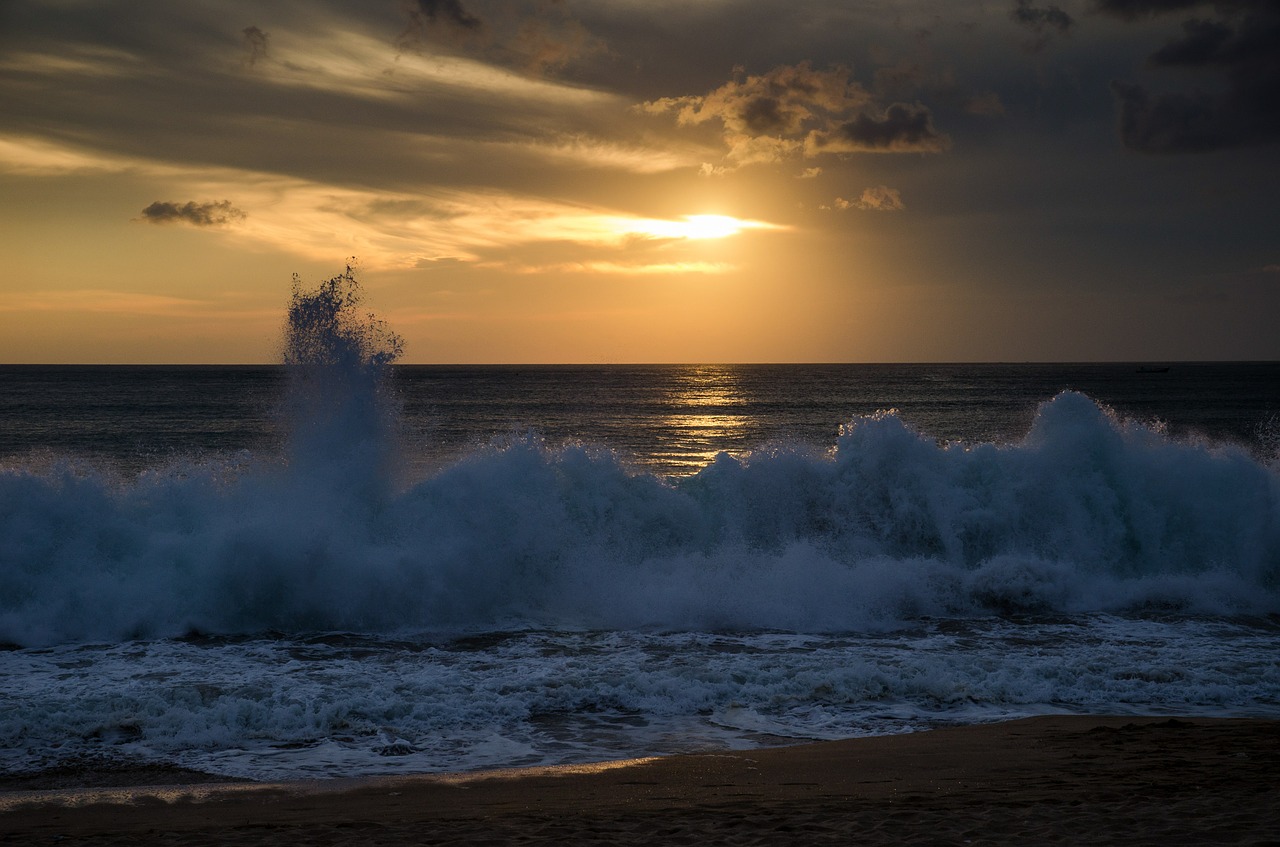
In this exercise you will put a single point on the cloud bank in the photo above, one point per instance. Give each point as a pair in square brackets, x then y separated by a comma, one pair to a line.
[1240, 44]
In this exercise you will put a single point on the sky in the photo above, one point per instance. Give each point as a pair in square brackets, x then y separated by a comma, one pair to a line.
[531, 181]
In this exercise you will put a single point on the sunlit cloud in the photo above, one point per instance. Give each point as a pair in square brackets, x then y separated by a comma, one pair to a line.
[354, 64]
[28, 156]
[72, 60]
[765, 118]
[103, 301]
[386, 229]
[599, 153]
[416, 229]
[881, 198]
[795, 110]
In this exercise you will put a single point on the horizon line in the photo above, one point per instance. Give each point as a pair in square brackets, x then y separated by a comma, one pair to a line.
[653, 364]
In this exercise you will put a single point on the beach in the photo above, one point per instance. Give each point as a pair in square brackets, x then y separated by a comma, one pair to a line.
[1042, 780]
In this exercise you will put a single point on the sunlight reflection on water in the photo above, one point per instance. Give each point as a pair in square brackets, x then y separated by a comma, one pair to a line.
[707, 416]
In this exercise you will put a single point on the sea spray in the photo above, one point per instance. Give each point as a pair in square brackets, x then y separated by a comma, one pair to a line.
[340, 412]
[304, 553]
[226, 546]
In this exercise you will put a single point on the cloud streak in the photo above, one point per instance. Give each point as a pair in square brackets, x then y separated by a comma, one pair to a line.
[103, 301]
[534, 37]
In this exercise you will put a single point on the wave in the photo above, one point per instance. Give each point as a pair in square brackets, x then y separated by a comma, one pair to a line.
[1086, 513]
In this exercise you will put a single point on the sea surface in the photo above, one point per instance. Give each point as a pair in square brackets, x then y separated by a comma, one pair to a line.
[343, 567]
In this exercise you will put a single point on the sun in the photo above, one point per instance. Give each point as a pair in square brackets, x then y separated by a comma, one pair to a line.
[711, 226]
[693, 227]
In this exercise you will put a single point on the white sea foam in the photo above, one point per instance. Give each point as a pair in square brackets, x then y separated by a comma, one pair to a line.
[1087, 513]
[288, 708]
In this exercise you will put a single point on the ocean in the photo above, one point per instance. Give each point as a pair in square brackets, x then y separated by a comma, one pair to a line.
[340, 566]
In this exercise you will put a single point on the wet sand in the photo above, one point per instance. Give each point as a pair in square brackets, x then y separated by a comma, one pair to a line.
[1048, 780]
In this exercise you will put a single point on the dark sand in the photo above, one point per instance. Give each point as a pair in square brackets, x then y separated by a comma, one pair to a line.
[1049, 780]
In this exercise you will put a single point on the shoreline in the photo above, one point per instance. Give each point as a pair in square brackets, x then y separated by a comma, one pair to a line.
[1050, 779]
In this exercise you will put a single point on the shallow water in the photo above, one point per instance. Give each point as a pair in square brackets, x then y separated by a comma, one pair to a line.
[291, 707]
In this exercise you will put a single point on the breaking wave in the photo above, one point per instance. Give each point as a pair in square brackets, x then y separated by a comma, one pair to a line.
[1085, 513]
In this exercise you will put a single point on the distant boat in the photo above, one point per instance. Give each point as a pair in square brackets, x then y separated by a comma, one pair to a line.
[1150, 370]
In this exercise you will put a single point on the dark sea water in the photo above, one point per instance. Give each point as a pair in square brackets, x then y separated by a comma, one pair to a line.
[664, 419]
[350, 569]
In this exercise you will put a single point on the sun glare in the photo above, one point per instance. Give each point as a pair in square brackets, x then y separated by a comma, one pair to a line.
[693, 227]
[710, 226]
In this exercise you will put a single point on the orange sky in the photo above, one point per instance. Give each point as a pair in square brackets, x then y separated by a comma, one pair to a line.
[627, 182]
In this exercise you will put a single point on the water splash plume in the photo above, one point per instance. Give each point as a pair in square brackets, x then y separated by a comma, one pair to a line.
[340, 411]
[325, 329]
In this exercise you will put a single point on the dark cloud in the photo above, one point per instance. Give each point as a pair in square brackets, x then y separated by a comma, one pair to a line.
[794, 110]
[898, 80]
[1039, 20]
[529, 35]
[926, 79]
[764, 114]
[1168, 123]
[986, 103]
[1242, 44]
[1042, 22]
[1132, 10]
[448, 11]
[255, 42]
[438, 20]
[1202, 44]
[196, 214]
[766, 118]
[903, 128]
[551, 40]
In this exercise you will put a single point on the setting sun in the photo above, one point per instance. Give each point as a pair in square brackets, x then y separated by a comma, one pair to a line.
[694, 227]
